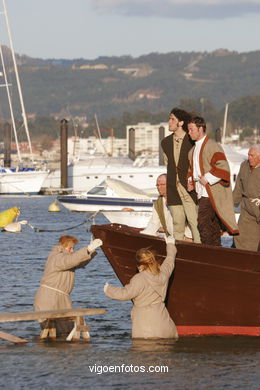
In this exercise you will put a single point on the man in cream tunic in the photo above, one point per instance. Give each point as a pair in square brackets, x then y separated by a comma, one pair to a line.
[210, 176]
[161, 219]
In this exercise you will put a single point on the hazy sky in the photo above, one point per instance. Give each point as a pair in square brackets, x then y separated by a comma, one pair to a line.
[92, 28]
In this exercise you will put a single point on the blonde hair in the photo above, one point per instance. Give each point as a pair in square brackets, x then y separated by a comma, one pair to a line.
[67, 240]
[147, 259]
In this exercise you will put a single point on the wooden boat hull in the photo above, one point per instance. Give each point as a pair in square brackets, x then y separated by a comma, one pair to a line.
[213, 290]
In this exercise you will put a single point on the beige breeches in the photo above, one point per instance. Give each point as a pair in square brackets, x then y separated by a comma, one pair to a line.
[188, 211]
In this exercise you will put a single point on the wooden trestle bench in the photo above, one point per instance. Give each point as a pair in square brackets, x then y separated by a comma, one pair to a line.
[74, 314]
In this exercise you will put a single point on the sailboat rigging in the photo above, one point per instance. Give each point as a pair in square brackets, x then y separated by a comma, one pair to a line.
[19, 180]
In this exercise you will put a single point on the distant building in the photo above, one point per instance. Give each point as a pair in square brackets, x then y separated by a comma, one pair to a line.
[78, 147]
[146, 137]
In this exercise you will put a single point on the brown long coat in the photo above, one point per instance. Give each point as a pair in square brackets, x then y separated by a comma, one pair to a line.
[173, 197]
[59, 274]
[150, 318]
[212, 159]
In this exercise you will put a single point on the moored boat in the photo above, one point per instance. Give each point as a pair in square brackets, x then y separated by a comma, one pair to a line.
[213, 290]
[112, 194]
[27, 181]
[128, 216]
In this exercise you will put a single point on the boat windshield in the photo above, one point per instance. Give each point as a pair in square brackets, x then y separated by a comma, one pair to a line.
[101, 189]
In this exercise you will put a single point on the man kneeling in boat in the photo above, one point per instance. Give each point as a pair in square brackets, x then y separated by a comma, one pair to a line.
[161, 219]
[147, 289]
[58, 278]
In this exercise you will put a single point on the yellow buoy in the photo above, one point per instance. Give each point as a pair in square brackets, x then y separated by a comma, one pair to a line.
[54, 207]
[8, 216]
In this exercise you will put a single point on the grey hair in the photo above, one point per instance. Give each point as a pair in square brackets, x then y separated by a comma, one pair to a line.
[255, 147]
[162, 175]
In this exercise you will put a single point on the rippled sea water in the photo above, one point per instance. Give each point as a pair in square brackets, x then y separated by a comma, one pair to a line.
[111, 360]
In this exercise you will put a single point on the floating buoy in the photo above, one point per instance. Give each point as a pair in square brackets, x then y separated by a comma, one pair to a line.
[54, 207]
[8, 216]
[15, 227]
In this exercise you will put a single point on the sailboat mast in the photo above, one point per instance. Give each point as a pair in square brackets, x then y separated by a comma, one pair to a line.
[7, 85]
[99, 136]
[225, 124]
[17, 80]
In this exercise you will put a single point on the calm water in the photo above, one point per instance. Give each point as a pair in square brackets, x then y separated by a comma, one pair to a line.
[192, 363]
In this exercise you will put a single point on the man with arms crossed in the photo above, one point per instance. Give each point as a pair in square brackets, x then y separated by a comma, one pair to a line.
[210, 175]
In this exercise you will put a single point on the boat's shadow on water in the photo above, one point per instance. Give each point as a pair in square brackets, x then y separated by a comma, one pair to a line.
[187, 344]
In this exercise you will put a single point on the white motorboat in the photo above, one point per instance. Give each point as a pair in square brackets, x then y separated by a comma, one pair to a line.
[112, 194]
[129, 217]
[87, 173]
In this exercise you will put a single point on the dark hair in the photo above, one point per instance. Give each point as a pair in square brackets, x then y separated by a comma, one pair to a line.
[183, 116]
[199, 122]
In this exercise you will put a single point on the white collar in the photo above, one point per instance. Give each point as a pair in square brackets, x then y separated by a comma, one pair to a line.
[200, 141]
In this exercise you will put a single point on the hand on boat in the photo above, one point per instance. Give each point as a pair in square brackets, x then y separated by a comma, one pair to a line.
[94, 244]
[170, 240]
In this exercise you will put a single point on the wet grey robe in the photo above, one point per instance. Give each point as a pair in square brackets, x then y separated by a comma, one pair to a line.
[58, 278]
[150, 318]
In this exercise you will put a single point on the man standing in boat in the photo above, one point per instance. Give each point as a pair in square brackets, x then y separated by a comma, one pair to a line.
[161, 219]
[247, 195]
[209, 175]
[181, 203]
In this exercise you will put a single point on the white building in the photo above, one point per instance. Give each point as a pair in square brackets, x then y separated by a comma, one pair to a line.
[146, 142]
[146, 137]
[87, 146]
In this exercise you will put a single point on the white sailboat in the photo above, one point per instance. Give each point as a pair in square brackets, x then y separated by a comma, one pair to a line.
[20, 180]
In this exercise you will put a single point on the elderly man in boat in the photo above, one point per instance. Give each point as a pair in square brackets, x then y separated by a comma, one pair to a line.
[246, 194]
[161, 219]
[58, 278]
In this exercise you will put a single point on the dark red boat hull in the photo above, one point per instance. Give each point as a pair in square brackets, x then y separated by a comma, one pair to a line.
[213, 290]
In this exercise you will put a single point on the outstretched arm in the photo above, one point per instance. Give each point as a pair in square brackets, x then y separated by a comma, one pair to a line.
[130, 290]
[168, 264]
[64, 261]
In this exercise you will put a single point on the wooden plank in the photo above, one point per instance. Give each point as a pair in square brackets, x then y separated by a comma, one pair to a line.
[52, 329]
[11, 338]
[30, 316]
[44, 333]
